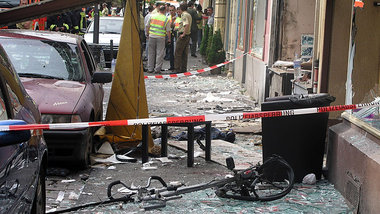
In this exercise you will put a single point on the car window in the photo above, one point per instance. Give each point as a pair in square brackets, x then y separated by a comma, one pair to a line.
[9, 3]
[112, 26]
[15, 102]
[89, 59]
[3, 110]
[44, 59]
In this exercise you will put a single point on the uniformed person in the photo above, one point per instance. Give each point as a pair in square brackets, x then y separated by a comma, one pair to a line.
[182, 44]
[158, 27]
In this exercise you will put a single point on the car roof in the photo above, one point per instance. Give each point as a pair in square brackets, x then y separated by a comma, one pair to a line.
[40, 35]
[112, 17]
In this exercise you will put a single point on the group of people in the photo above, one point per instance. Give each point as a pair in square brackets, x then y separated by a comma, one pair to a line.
[75, 21]
[168, 32]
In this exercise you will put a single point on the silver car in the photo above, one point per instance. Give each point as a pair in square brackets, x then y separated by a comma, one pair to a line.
[109, 29]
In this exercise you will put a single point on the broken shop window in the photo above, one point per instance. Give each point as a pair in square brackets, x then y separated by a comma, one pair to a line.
[370, 116]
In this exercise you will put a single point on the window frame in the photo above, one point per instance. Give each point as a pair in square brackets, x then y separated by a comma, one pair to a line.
[241, 43]
[5, 95]
[253, 31]
[88, 57]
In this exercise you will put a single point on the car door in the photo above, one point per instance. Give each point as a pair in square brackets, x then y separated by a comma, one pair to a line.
[96, 88]
[14, 175]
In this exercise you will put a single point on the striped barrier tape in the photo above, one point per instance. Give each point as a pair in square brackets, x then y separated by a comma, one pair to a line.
[193, 72]
[188, 119]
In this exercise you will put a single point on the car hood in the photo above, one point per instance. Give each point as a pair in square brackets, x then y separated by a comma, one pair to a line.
[104, 38]
[54, 96]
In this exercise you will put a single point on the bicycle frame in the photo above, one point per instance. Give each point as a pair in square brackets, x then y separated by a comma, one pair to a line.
[243, 181]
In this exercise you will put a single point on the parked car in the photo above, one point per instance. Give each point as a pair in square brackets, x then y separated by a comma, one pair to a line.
[23, 154]
[59, 73]
[109, 29]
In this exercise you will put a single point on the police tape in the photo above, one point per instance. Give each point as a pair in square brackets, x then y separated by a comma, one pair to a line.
[193, 72]
[188, 119]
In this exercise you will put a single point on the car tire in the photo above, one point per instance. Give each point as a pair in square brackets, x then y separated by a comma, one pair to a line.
[86, 149]
[39, 202]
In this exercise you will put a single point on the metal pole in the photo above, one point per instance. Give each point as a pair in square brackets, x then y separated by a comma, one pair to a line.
[96, 24]
[190, 145]
[208, 142]
[145, 136]
[111, 49]
[164, 141]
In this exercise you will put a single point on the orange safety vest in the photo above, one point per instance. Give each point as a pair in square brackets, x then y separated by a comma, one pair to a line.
[158, 24]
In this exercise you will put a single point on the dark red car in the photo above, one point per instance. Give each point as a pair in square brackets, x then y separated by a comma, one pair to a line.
[59, 73]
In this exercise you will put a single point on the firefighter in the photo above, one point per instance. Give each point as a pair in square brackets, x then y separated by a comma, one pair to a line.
[79, 21]
[60, 22]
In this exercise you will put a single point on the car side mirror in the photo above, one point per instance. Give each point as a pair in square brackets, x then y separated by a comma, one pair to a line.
[13, 137]
[101, 77]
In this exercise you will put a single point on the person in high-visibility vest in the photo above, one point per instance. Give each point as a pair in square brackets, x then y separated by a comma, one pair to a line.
[183, 39]
[176, 25]
[158, 27]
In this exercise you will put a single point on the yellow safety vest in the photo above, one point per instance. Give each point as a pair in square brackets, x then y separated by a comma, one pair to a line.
[158, 24]
[177, 23]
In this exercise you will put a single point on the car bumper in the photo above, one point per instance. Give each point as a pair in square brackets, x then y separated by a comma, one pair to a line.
[65, 145]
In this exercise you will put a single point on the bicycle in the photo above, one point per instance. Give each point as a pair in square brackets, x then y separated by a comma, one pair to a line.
[270, 181]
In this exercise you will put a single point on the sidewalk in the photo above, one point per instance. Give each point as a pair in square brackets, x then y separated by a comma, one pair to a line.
[193, 63]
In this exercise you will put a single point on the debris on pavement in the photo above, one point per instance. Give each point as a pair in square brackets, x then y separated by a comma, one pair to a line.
[309, 179]
[186, 97]
[68, 181]
[111, 167]
[164, 160]
[148, 166]
[106, 149]
[115, 159]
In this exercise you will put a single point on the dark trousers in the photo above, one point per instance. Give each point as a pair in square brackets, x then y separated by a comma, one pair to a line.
[181, 52]
[171, 53]
[194, 41]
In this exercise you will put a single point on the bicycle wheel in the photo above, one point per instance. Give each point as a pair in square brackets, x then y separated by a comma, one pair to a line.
[270, 181]
[275, 179]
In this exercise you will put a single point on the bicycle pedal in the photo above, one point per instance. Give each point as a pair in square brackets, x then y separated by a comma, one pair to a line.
[230, 163]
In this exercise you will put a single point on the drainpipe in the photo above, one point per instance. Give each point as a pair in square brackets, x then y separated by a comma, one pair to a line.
[246, 43]
[227, 36]
[236, 33]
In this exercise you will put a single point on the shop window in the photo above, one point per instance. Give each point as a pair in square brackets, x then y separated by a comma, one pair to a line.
[257, 34]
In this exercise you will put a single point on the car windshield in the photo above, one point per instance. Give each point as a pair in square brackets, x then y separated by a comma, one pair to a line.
[112, 26]
[44, 59]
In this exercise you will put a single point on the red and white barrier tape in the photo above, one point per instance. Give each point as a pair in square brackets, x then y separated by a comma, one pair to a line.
[165, 76]
[188, 119]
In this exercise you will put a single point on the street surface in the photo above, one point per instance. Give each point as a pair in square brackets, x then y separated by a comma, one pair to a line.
[195, 95]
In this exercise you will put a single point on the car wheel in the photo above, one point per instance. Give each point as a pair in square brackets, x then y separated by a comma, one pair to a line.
[86, 149]
[39, 202]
